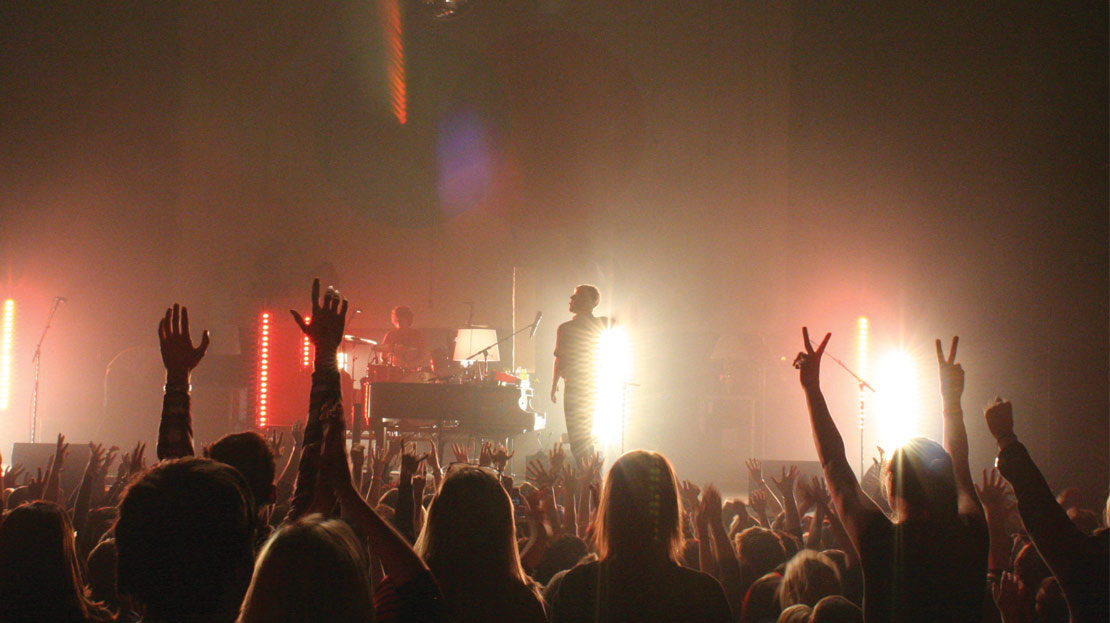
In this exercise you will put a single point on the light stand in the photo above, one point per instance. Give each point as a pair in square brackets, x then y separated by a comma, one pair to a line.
[862, 386]
[37, 360]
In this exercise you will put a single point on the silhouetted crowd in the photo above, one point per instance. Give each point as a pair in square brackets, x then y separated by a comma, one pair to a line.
[349, 533]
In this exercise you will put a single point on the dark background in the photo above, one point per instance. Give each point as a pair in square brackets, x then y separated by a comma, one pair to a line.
[716, 168]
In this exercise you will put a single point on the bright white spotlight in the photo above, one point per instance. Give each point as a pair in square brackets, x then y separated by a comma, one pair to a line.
[898, 399]
[614, 363]
[7, 329]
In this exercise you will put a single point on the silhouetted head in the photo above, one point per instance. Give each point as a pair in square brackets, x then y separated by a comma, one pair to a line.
[584, 299]
[401, 317]
[920, 481]
[762, 599]
[469, 532]
[836, 609]
[251, 454]
[40, 578]
[184, 536]
[639, 514]
[809, 577]
[759, 550]
[798, 613]
[311, 570]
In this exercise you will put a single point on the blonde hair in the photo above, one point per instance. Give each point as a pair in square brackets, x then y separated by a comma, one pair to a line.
[639, 510]
[809, 576]
[311, 570]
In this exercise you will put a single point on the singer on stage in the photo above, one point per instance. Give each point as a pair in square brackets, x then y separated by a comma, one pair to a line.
[576, 353]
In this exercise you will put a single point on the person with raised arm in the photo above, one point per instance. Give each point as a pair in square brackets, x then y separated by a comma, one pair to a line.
[329, 318]
[1081, 563]
[930, 562]
[179, 356]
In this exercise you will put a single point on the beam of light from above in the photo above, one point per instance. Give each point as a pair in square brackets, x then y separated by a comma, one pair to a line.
[7, 331]
[614, 363]
[263, 374]
[395, 53]
[899, 399]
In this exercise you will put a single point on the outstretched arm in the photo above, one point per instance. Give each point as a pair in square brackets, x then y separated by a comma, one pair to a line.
[325, 331]
[854, 507]
[399, 560]
[955, 434]
[1058, 540]
[786, 486]
[175, 431]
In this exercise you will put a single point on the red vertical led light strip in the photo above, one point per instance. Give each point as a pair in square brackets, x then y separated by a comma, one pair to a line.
[263, 368]
[7, 329]
[395, 49]
[306, 347]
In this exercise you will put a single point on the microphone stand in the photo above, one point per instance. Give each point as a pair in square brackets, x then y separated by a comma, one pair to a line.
[484, 353]
[37, 360]
[862, 386]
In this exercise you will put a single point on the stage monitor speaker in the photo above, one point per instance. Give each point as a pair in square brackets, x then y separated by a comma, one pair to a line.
[35, 456]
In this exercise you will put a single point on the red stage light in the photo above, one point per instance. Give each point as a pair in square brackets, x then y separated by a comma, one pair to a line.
[263, 369]
[6, 334]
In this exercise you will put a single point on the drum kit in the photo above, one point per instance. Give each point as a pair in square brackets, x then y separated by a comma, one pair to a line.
[398, 363]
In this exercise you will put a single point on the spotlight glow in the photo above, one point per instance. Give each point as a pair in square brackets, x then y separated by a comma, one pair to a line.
[263, 390]
[7, 330]
[898, 397]
[614, 364]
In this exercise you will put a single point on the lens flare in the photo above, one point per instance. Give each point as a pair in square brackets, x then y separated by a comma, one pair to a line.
[899, 399]
[614, 363]
[6, 333]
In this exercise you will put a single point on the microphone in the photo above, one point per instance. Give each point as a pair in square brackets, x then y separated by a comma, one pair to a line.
[535, 325]
[61, 299]
[355, 338]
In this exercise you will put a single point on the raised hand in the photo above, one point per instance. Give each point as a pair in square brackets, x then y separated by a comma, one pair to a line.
[358, 457]
[1000, 421]
[785, 484]
[485, 455]
[276, 439]
[758, 501]
[12, 474]
[993, 493]
[571, 480]
[808, 362]
[297, 433]
[589, 467]
[137, 462]
[951, 376]
[755, 471]
[690, 493]
[820, 492]
[1006, 597]
[536, 473]
[411, 461]
[556, 456]
[329, 318]
[433, 458]
[460, 453]
[711, 502]
[178, 354]
[501, 456]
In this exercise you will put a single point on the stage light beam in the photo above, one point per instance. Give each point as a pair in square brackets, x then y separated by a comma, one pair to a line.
[614, 364]
[7, 331]
[899, 400]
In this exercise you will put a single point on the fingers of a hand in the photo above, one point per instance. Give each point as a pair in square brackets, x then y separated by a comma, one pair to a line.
[952, 353]
[824, 343]
[343, 309]
[315, 295]
[805, 340]
[184, 321]
[299, 320]
[204, 341]
[175, 324]
[940, 351]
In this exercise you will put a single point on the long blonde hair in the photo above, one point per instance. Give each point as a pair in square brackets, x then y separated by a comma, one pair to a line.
[639, 510]
[311, 570]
